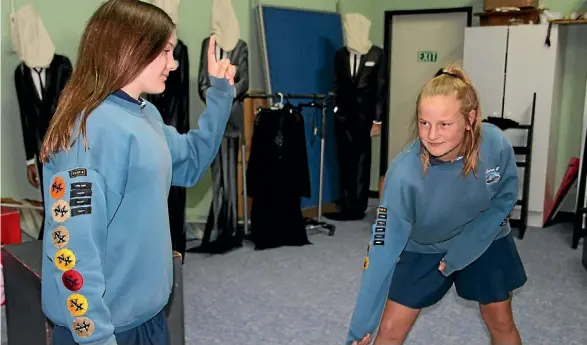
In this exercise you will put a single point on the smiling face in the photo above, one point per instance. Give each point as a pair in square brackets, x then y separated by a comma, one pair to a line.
[152, 79]
[442, 127]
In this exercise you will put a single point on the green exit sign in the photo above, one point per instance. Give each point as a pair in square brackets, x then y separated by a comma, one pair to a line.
[427, 56]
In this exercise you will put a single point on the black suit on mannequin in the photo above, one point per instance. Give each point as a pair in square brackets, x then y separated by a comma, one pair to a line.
[38, 104]
[223, 215]
[360, 99]
[174, 106]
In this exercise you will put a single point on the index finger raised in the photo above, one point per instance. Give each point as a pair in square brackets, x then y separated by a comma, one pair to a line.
[212, 48]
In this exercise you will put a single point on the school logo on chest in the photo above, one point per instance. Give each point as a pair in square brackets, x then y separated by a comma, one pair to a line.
[492, 175]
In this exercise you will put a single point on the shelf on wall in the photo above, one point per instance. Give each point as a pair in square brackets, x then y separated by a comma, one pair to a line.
[568, 21]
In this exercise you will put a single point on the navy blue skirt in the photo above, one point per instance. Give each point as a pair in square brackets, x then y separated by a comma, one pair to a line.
[417, 283]
[152, 332]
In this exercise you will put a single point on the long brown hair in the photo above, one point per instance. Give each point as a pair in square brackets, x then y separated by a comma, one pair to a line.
[120, 40]
[452, 80]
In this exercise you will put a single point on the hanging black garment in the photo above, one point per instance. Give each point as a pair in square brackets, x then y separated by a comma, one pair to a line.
[223, 216]
[36, 111]
[222, 232]
[277, 178]
[174, 106]
[360, 98]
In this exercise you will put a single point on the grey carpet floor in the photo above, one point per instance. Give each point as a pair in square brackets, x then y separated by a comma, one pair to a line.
[305, 295]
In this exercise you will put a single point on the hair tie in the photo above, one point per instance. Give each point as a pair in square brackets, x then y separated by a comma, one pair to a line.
[441, 72]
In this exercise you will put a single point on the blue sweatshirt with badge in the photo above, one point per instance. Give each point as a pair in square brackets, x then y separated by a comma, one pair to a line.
[107, 263]
[437, 212]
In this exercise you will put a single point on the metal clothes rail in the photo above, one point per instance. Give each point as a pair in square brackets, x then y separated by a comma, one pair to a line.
[311, 223]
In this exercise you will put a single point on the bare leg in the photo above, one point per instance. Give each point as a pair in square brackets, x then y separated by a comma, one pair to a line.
[396, 323]
[499, 320]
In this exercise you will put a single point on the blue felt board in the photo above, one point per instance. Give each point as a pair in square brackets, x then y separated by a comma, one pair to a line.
[300, 48]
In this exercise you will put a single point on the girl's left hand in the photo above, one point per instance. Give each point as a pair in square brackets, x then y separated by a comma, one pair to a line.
[442, 266]
[366, 340]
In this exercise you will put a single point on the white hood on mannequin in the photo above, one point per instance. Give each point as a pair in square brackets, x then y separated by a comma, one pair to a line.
[30, 39]
[171, 7]
[356, 33]
[225, 25]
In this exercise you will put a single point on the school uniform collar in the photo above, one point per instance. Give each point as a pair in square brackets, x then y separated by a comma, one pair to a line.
[124, 100]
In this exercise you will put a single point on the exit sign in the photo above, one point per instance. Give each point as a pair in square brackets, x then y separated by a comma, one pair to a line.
[427, 56]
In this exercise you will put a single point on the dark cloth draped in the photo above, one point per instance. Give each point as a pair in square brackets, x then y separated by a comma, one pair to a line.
[277, 178]
[222, 232]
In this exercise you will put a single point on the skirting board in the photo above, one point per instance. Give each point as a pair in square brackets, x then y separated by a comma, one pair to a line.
[534, 218]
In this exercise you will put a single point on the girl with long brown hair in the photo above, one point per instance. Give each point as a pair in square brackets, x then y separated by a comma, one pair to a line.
[443, 220]
[109, 161]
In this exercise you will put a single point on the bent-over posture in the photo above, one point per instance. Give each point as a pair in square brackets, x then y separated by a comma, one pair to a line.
[443, 220]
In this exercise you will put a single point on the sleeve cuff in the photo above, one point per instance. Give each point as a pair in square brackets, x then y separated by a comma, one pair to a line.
[30, 161]
[377, 122]
[222, 85]
[448, 269]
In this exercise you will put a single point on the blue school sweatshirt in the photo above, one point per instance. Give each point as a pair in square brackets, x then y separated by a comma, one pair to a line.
[437, 212]
[107, 263]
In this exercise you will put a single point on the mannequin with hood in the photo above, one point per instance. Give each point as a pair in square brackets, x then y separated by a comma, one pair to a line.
[359, 99]
[39, 79]
[223, 215]
[174, 106]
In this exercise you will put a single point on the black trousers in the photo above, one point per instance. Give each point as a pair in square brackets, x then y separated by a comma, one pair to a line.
[353, 140]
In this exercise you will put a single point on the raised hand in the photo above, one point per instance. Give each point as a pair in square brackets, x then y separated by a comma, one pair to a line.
[222, 68]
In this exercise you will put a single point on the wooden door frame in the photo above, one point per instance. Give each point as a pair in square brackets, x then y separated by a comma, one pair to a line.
[388, 34]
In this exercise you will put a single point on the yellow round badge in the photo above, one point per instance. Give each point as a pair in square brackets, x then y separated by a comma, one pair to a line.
[77, 304]
[64, 259]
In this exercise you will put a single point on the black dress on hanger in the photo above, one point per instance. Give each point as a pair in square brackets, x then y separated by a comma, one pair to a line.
[223, 215]
[37, 107]
[174, 106]
[277, 178]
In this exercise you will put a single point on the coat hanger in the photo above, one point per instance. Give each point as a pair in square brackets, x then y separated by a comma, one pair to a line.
[278, 105]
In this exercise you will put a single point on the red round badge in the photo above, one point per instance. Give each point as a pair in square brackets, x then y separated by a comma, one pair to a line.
[72, 280]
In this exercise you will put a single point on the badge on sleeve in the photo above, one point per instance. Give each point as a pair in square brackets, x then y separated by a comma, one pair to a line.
[366, 263]
[77, 304]
[72, 280]
[78, 172]
[57, 188]
[60, 237]
[60, 211]
[83, 327]
[64, 259]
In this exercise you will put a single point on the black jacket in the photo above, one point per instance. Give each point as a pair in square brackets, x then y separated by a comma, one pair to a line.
[239, 57]
[35, 114]
[361, 97]
[174, 102]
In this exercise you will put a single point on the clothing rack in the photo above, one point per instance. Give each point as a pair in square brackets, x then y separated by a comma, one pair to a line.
[320, 101]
